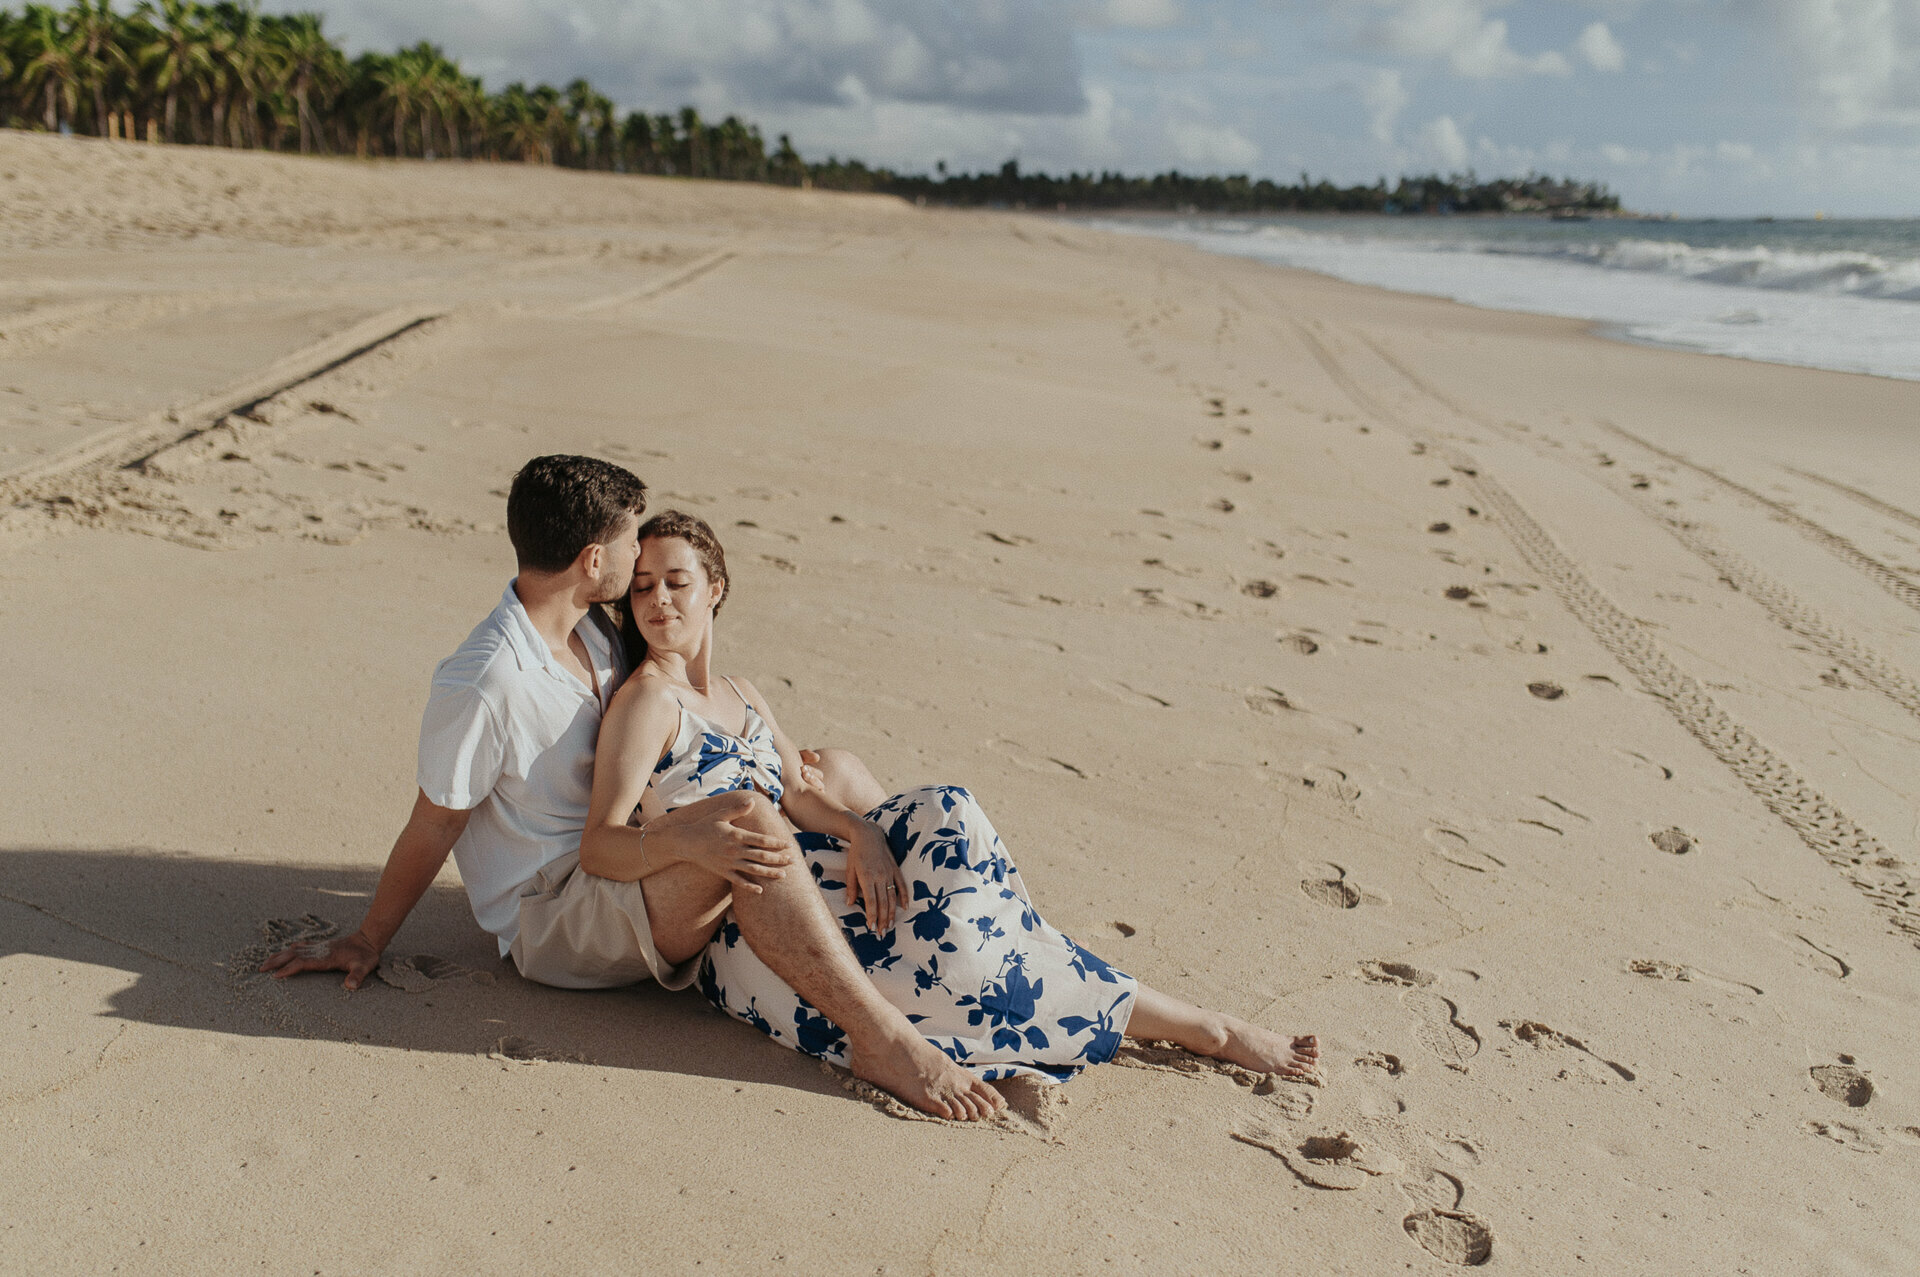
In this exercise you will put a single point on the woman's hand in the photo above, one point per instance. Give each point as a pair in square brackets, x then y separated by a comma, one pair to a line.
[874, 881]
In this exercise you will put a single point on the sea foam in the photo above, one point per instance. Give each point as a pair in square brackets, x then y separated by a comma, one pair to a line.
[1796, 293]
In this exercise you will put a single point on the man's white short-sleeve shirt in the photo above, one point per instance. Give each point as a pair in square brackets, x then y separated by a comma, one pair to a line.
[509, 734]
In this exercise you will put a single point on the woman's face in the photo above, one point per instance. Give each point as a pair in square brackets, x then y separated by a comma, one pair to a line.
[672, 598]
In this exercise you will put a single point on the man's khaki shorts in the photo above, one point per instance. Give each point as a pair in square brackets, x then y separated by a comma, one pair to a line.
[582, 932]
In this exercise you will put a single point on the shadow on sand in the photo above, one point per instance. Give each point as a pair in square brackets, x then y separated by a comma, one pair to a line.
[191, 931]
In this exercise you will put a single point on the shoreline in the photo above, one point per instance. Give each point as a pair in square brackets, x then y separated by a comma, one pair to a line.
[1695, 310]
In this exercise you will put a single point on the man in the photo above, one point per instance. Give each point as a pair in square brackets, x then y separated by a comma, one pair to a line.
[505, 774]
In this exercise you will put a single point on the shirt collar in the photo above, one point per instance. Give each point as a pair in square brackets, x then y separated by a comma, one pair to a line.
[530, 650]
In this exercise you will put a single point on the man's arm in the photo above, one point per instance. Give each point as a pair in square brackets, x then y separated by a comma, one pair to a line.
[417, 855]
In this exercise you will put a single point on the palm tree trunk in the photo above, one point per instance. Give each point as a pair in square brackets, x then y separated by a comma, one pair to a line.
[399, 134]
[173, 106]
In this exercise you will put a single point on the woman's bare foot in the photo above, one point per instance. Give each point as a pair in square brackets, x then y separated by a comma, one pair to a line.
[913, 1070]
[1263, 1051]
[1224, 1037]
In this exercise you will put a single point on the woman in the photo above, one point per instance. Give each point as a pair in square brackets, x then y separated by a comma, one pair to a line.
[929, 901]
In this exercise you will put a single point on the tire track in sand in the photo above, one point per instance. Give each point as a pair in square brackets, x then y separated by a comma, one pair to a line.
[1779, 602]
[1827, 539]
[1866, 499]
[1859, 856]
[126, 448]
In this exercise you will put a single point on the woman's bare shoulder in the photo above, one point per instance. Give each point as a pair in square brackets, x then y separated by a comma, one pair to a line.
[644, 695]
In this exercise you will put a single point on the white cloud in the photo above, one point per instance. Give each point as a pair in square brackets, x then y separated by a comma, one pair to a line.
[1602, 52]
[1624, 156]
[1385, 95]
[1858, 61]
[1460, 32]
[985, 55]
[1140, 13]
[1440, 139]
[1215, 146]
[1181, 58]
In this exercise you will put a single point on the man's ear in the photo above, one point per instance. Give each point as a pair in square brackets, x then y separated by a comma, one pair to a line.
[590, 559]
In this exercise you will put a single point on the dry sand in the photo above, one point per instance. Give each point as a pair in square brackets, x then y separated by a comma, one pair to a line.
[1532, 716]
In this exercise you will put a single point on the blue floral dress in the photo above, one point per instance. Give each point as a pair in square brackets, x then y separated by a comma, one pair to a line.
[968, 961]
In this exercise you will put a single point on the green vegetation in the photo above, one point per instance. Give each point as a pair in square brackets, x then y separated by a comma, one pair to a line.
[228, 75]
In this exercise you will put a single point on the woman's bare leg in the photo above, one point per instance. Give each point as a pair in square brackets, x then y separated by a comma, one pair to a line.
[847, 778]
[1223, 1037]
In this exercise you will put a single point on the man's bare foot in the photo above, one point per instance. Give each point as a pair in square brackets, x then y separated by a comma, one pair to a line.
[916, 1072]
[1263, 1051]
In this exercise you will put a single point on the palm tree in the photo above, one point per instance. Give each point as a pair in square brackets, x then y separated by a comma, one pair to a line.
[93, 34]
[51, 66]
[244, 69]
[175, 54]
[313, 64]
[523, 127]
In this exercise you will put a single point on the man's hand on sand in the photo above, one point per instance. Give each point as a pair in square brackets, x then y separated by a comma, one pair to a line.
[352, 954]
[705, 834]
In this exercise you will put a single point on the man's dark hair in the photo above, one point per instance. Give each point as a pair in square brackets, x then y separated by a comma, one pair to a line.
[560, 505]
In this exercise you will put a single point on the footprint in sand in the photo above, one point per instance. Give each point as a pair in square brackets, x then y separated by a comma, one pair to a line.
[1673, 841]
[1400, 973]
[1452, 1148]
[1452, 1236]
[519, 1050]
[1130, 695]
[1845, 1134]
[1336, 1160]
[1021, 756]
[1437, 1024]
[1332, 782]
[1332, 890]
[1666, 773]
[1299, 643]
[1454, 848]
[1656, 969]
[1437, 1190]
[1543, 1037]
[1843, 1082]
[1259, 589]
[1384, 1061]
[1828, 964]
[423, 972]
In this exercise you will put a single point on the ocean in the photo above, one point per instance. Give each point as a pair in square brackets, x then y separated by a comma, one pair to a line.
[1840, 294]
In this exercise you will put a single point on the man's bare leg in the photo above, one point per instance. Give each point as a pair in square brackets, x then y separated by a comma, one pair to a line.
[1159, 1017]
[847, 778]
[789, 927]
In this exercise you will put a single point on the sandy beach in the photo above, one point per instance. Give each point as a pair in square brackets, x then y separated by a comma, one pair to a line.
[1534, 717]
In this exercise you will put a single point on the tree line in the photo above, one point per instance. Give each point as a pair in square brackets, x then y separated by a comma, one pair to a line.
[225, 74]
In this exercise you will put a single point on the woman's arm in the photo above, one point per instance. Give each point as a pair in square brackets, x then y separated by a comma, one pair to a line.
[638, 728]
[874, 881]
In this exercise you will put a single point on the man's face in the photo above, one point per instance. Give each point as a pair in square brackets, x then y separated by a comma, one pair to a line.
[616, 565]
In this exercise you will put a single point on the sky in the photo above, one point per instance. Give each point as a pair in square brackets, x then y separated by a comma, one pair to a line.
[1698, 107]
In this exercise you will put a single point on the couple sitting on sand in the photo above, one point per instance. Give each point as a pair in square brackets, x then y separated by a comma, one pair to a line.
[620, 812]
